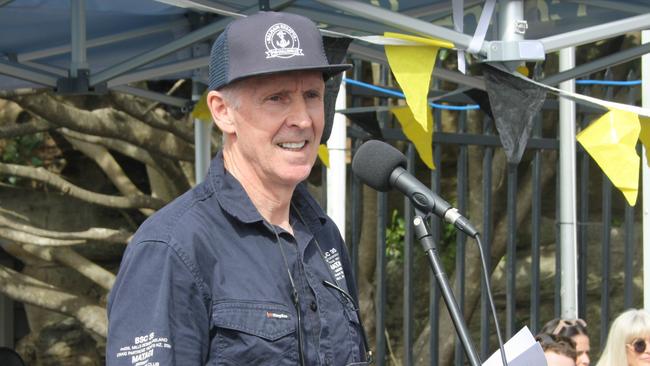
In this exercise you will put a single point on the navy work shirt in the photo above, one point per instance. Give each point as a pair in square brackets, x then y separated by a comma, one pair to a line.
[204, 282]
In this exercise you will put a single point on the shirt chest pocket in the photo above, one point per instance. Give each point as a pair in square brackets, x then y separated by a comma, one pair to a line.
[253, 333]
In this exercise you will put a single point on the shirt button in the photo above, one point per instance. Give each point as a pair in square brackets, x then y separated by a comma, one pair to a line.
[328, 361]
[313, 306]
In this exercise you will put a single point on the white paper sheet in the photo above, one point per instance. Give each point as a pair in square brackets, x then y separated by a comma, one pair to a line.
[521, 350]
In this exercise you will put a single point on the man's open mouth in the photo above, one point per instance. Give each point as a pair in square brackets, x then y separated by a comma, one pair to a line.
[293, 145]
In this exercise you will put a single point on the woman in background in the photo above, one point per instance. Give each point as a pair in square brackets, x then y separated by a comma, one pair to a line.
[628, 341]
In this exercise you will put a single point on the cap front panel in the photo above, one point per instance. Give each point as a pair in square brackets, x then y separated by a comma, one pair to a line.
[273, 42]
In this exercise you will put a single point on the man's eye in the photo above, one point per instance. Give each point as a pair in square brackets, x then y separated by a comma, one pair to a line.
[313, 95]
[275, 98]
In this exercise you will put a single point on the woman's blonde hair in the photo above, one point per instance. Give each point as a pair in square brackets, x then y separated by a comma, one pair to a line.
[633, 323]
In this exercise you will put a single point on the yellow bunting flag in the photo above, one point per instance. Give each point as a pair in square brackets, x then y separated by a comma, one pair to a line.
[611, 142]
[420, 137]
[644, 136]
[324, 154]
[200, 110]
[523, 70]
[412, 67]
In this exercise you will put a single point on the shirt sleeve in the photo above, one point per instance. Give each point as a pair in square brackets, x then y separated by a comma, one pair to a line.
[156, 311]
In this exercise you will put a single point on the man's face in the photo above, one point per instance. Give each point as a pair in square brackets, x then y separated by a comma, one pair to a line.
[276, 127]
[582, 349]
[555, 359]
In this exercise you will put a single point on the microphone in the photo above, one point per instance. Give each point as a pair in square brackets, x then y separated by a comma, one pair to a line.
[382, 167]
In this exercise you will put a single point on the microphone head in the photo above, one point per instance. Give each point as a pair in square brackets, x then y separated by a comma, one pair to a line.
[375, 161]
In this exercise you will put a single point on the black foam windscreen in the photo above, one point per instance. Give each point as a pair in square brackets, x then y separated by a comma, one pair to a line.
[375, 161]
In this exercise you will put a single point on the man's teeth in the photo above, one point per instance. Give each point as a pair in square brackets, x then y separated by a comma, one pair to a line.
[292, 145]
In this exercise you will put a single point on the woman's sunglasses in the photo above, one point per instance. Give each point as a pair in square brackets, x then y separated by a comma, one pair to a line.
[639, 345]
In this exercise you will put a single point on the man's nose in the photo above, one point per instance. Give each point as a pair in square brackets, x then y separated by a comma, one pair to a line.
[299, 114]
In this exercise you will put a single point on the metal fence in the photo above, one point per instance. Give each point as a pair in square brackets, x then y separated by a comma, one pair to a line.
[600, 207]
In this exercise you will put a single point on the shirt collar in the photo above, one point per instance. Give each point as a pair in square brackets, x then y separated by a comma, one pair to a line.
[233, 198]
[230, 194]
[308, 209]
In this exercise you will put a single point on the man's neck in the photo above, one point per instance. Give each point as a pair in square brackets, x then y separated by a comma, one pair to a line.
[272, 201]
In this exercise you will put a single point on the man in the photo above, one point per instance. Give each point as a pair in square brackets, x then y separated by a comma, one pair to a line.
[576, 329]
[246, 268]
[558, 350]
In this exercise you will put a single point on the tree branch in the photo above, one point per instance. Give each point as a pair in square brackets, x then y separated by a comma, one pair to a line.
[132, 106]
[107, 122]
[21, 129]
[187, 171]
[166, 167]
[98, 234]
[42, 175]
[173, 174]
[171, 91]
[122, 147]
[110, 167]
[70, 258]
[10, 94]
[23, 237]
[86, 267]
[34, 292]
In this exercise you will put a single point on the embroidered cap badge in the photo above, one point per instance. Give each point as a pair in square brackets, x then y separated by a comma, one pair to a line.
[282, 42]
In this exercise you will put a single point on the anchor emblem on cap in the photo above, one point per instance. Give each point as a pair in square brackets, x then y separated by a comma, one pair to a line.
[282, 42]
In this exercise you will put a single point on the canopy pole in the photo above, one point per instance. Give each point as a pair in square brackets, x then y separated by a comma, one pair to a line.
[568, 236]
[511, 15]
[336, 173]
[202, 130]
[78, 37]
[645, 179]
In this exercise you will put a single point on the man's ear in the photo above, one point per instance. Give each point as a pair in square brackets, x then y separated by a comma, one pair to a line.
[221, 111]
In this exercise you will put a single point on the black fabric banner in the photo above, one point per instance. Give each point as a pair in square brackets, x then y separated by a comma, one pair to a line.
[368, 122]
[335, 50]
[481, 98]
[514, 102]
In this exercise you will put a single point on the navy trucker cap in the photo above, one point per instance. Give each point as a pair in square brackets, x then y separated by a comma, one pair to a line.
[267, 43]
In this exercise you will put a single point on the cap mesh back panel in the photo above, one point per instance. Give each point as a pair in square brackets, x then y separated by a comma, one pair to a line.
[219, 62]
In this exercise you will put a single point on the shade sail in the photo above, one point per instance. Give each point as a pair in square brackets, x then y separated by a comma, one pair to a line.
[133, 40]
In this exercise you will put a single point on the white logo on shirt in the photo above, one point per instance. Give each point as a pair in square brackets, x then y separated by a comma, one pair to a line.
[272, 315]
[333, 260]
[282, 42]
[143, 349]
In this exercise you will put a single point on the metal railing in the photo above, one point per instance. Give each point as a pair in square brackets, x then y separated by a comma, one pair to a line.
[516, 310]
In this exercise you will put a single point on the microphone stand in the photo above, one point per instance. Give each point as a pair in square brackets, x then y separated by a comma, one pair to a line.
[424, 236]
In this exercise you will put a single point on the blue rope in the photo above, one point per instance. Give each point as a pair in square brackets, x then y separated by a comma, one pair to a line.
[401, 95]
[609, 82]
